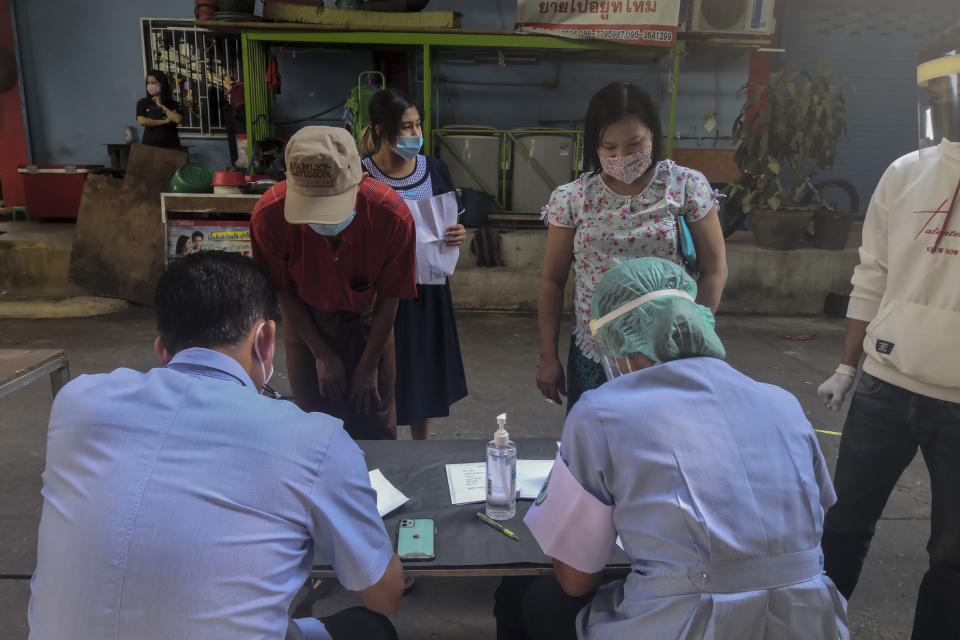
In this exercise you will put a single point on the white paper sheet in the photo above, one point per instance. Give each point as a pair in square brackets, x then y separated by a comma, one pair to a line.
[435, 260]
[389, 497]
[468, 480]
[531, 474]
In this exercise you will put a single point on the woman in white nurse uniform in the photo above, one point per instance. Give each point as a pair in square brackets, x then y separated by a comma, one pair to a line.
[714, 482]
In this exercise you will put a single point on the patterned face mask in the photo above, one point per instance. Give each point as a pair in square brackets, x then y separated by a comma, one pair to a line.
[627, 168]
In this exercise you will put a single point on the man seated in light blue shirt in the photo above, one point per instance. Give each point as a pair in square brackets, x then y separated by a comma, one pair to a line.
[182, 504]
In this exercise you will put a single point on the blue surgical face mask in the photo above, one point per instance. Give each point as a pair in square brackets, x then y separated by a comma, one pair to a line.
[332, 229]
[408, 146]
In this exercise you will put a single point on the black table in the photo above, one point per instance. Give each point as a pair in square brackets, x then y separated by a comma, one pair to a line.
[20, 367]
[464, 546]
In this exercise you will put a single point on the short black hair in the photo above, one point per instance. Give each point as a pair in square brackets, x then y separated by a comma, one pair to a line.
[386, 110]
[212, 299]
[161, 79]
[609, 104]
[196, 234]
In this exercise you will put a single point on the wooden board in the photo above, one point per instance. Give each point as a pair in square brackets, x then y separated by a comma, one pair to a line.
[119, 246]
[333, 17]
[716, 164]
[176, 203]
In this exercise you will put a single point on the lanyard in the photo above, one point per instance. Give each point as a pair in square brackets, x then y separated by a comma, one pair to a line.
[946, 220]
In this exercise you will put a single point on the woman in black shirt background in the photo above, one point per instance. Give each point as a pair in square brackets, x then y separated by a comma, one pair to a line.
[159, 113]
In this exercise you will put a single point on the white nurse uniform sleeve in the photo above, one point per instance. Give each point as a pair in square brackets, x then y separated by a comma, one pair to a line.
[828, 496]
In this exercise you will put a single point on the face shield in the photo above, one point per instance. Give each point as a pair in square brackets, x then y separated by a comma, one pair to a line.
[616, 335]
[938, 98]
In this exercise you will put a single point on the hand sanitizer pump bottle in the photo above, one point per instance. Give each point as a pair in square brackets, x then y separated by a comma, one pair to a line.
[501, 473]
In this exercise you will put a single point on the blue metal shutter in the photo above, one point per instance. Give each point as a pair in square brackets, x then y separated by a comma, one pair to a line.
[873, 46]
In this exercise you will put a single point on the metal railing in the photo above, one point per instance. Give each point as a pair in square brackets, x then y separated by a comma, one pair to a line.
[199, 63]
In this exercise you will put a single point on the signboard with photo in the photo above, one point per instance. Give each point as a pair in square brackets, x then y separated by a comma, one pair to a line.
[192, 236]
[648, 22]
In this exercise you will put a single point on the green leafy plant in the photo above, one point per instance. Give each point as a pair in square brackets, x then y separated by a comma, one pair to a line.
[788, 129]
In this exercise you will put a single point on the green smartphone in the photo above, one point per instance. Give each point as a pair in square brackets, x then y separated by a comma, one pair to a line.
[415, 539]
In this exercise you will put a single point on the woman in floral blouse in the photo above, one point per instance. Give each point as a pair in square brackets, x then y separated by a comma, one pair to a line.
[626, 206]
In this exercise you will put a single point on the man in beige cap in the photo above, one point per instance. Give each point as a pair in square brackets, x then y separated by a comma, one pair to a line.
[341, 248]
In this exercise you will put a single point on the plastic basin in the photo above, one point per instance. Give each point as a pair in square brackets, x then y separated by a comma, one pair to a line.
[191, 178]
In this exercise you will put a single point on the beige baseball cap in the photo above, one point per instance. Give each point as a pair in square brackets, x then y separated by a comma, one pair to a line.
[323, 172]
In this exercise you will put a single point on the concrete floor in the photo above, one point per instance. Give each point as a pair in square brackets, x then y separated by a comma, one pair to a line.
[500, 356]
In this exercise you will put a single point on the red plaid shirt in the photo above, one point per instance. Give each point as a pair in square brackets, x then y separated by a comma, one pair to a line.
[377, 252]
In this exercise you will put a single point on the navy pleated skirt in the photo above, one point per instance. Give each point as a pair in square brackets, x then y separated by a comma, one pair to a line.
[430, 374]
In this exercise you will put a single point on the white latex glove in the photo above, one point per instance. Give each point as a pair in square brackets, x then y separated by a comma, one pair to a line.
[834, 391]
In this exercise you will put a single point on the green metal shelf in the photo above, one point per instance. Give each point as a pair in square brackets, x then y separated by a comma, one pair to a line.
[454, 38]
[256, 42]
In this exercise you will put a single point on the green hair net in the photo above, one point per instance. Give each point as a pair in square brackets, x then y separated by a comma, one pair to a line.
[664, 328]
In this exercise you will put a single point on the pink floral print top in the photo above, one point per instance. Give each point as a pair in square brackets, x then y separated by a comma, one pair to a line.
[611, 228]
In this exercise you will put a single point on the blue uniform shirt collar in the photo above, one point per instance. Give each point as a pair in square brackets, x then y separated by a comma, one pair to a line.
[210, 363]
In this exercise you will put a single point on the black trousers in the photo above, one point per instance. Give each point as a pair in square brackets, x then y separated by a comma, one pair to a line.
[359, 623]
[885, 427]
[355, 623]
[536, 608]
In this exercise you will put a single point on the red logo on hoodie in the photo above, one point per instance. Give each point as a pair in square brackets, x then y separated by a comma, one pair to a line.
[936, 230]
[941, 231]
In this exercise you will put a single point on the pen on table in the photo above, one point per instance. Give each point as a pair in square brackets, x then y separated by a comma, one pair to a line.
[499, 527]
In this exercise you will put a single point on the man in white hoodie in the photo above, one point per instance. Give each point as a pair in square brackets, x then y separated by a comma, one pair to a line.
[905, 314]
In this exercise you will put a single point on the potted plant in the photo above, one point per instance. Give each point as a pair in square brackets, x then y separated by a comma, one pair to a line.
[788, 130]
